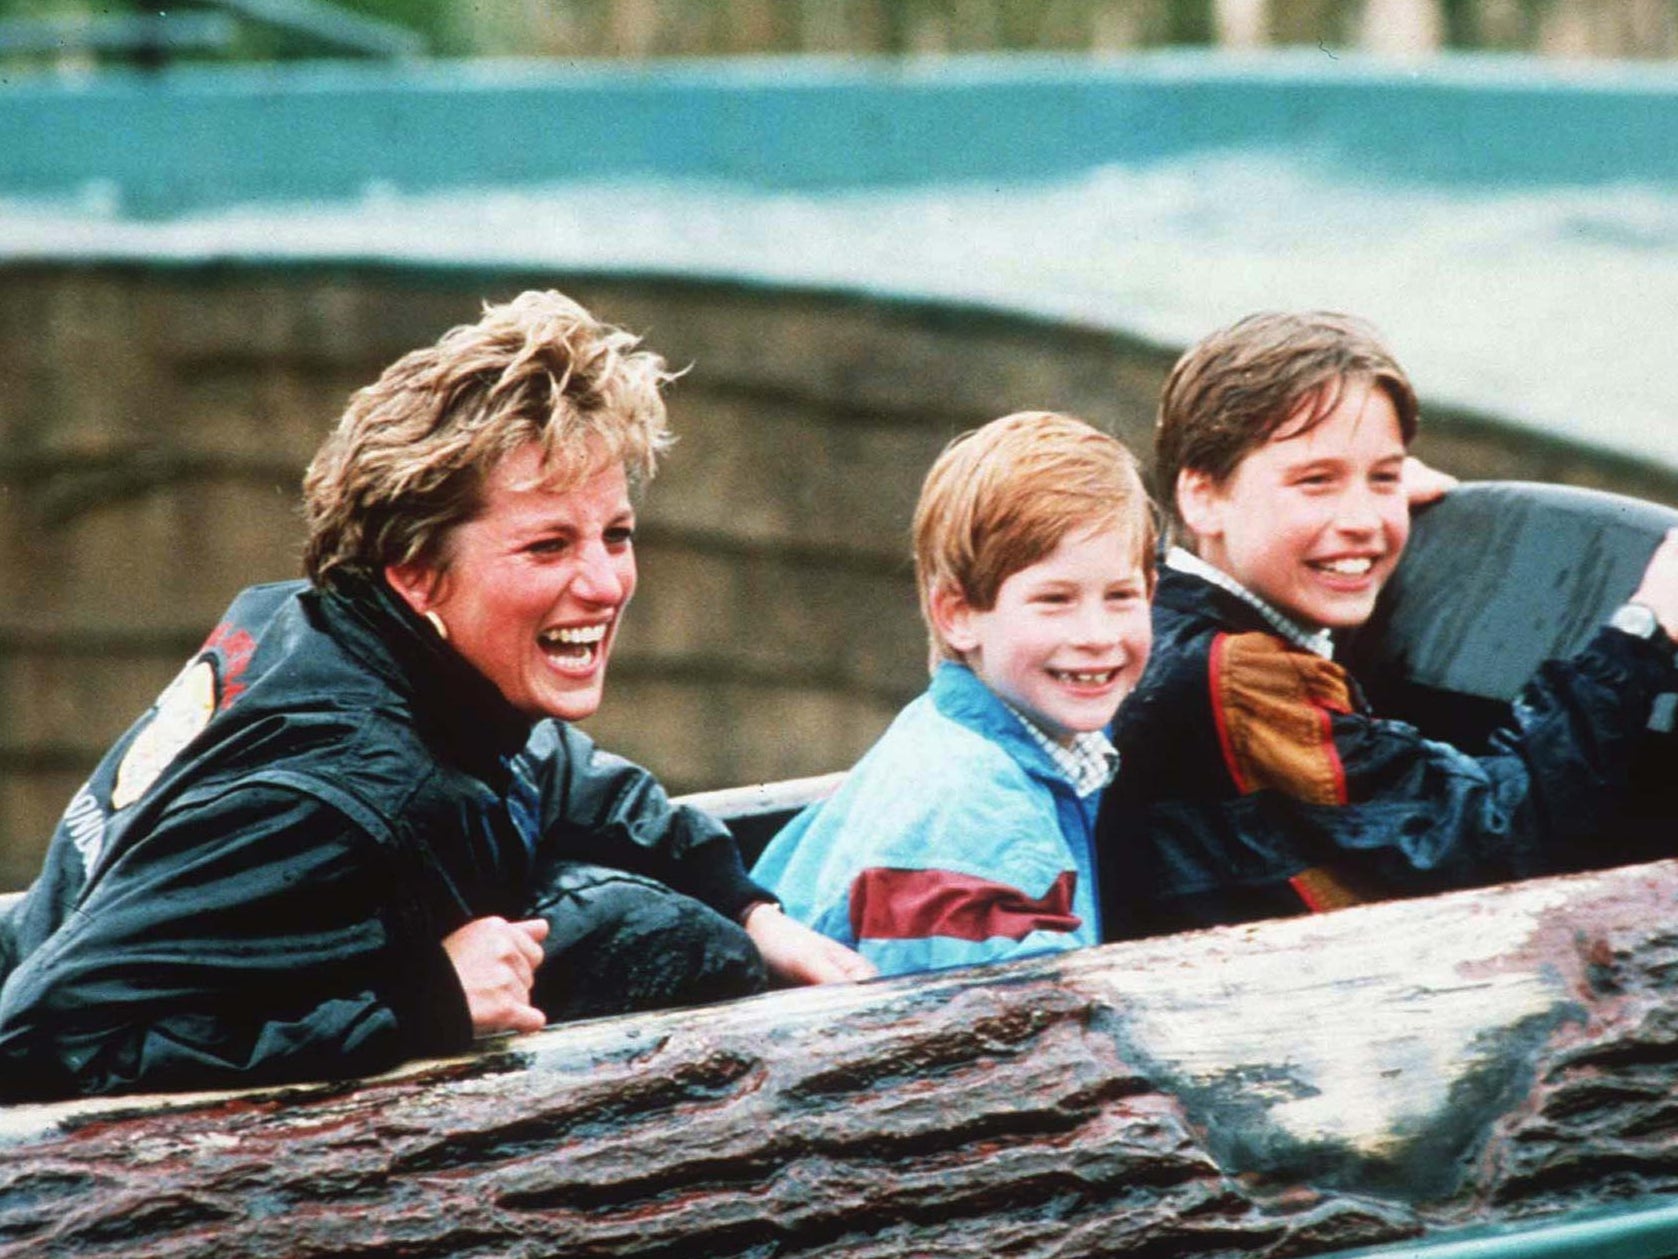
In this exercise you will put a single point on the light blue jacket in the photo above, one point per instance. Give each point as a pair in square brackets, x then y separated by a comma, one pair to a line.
[954, 840]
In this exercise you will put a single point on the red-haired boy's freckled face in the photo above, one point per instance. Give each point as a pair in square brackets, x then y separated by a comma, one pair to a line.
[1313, 522]
[1068, 636]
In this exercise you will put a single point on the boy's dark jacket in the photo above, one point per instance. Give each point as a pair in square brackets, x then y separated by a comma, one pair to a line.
[269, 903]
[1255, 782]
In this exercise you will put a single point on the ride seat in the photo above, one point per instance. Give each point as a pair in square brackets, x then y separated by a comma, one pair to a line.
[1500, 576]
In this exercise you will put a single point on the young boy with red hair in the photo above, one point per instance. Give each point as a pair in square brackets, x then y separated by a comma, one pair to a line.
[965, 834]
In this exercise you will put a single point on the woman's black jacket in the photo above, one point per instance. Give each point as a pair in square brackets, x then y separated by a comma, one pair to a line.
[254, 884]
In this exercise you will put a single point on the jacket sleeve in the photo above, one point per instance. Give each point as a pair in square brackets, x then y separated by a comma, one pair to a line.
[964, 878]
[923, 919]
[589, 805]
[1413, 810]
[249, 938]
[11, 905]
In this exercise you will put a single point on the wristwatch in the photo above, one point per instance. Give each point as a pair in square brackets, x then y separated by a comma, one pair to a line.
[1637, 619]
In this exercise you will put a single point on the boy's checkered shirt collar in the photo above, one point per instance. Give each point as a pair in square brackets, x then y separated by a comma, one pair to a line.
[1089, 764]
[1318, 642]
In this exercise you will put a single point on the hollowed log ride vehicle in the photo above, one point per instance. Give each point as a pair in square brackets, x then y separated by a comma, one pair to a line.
[1486, 1072]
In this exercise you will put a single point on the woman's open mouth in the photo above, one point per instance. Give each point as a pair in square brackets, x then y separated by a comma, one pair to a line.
[573, 647]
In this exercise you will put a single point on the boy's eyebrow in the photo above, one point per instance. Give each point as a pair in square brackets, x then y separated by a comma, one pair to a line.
[1315, 461]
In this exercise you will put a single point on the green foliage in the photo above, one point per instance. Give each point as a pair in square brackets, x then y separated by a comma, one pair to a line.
[433, 19]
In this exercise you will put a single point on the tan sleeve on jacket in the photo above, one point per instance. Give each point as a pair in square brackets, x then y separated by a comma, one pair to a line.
[1272, 705]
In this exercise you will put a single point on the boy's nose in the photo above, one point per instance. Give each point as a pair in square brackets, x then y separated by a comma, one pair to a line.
[1095, 627]
[1359, 512]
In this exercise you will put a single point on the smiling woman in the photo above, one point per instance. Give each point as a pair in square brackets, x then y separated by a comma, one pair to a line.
[534, 585]
[352, 831]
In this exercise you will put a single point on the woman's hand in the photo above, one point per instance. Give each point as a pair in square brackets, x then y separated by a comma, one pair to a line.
[1658, 590]
[795, 954]
[496, 961]
[1424, 484]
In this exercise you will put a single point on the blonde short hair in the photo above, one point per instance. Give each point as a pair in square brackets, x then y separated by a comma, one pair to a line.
[1002, 497]
[1233, 389]
[409, 459]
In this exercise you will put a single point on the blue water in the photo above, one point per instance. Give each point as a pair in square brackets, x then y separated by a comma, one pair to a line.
[1555, 308]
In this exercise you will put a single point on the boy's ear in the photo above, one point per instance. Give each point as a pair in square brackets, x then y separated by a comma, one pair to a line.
[1200, 503]
[952, 617]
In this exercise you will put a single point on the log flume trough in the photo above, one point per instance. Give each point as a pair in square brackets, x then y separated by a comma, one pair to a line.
[1291, 1088]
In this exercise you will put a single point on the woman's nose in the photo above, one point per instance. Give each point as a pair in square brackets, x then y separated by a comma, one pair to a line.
[598, 579]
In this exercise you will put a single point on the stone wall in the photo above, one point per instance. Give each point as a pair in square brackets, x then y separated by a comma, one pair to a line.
[154, 422]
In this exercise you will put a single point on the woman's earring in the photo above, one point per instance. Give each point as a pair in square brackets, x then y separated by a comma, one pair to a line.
[436, 619]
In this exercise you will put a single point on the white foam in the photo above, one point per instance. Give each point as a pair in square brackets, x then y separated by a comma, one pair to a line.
[1552, 307]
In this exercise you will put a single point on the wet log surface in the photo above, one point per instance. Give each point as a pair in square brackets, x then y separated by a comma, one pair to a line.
[1281, 1090]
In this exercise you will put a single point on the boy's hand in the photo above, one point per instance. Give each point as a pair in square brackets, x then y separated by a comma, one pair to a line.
[1424, 484]
[1659, 589]
[795, 954]
[496, 961]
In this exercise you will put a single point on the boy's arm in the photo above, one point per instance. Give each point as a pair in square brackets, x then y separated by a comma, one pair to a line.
[926, 918]
[976, 875]
[1377, 794]
[1424, 484]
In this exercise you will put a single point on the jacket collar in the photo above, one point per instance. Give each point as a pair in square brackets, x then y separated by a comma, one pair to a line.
[1185, 595]
[958, 694]
[452, 702]
[1318, 642]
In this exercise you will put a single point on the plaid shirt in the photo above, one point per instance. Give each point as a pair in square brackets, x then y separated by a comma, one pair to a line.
[1318, 642]
[1090, 763]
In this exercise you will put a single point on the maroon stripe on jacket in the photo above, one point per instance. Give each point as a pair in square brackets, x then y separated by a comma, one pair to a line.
[915, 904]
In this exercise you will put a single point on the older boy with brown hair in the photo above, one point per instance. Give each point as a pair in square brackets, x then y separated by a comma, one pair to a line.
[965, 834]
[1256, 781]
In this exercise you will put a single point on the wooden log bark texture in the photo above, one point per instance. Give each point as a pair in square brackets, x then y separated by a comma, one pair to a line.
[1285, 1089]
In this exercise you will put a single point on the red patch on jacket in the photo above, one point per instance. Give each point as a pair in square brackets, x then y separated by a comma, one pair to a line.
[915, 904]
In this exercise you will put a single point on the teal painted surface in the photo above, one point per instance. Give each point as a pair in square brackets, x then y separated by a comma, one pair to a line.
[189, 139]
[1647, 1232]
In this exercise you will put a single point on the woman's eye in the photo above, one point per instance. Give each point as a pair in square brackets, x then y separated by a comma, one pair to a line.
[621, 536]
[547, 546]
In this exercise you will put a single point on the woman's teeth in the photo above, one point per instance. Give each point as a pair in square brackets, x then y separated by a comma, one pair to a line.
[574, 642]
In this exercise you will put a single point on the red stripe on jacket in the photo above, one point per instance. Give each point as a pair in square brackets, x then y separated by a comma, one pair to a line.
[1220, 717]
[915, 904]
